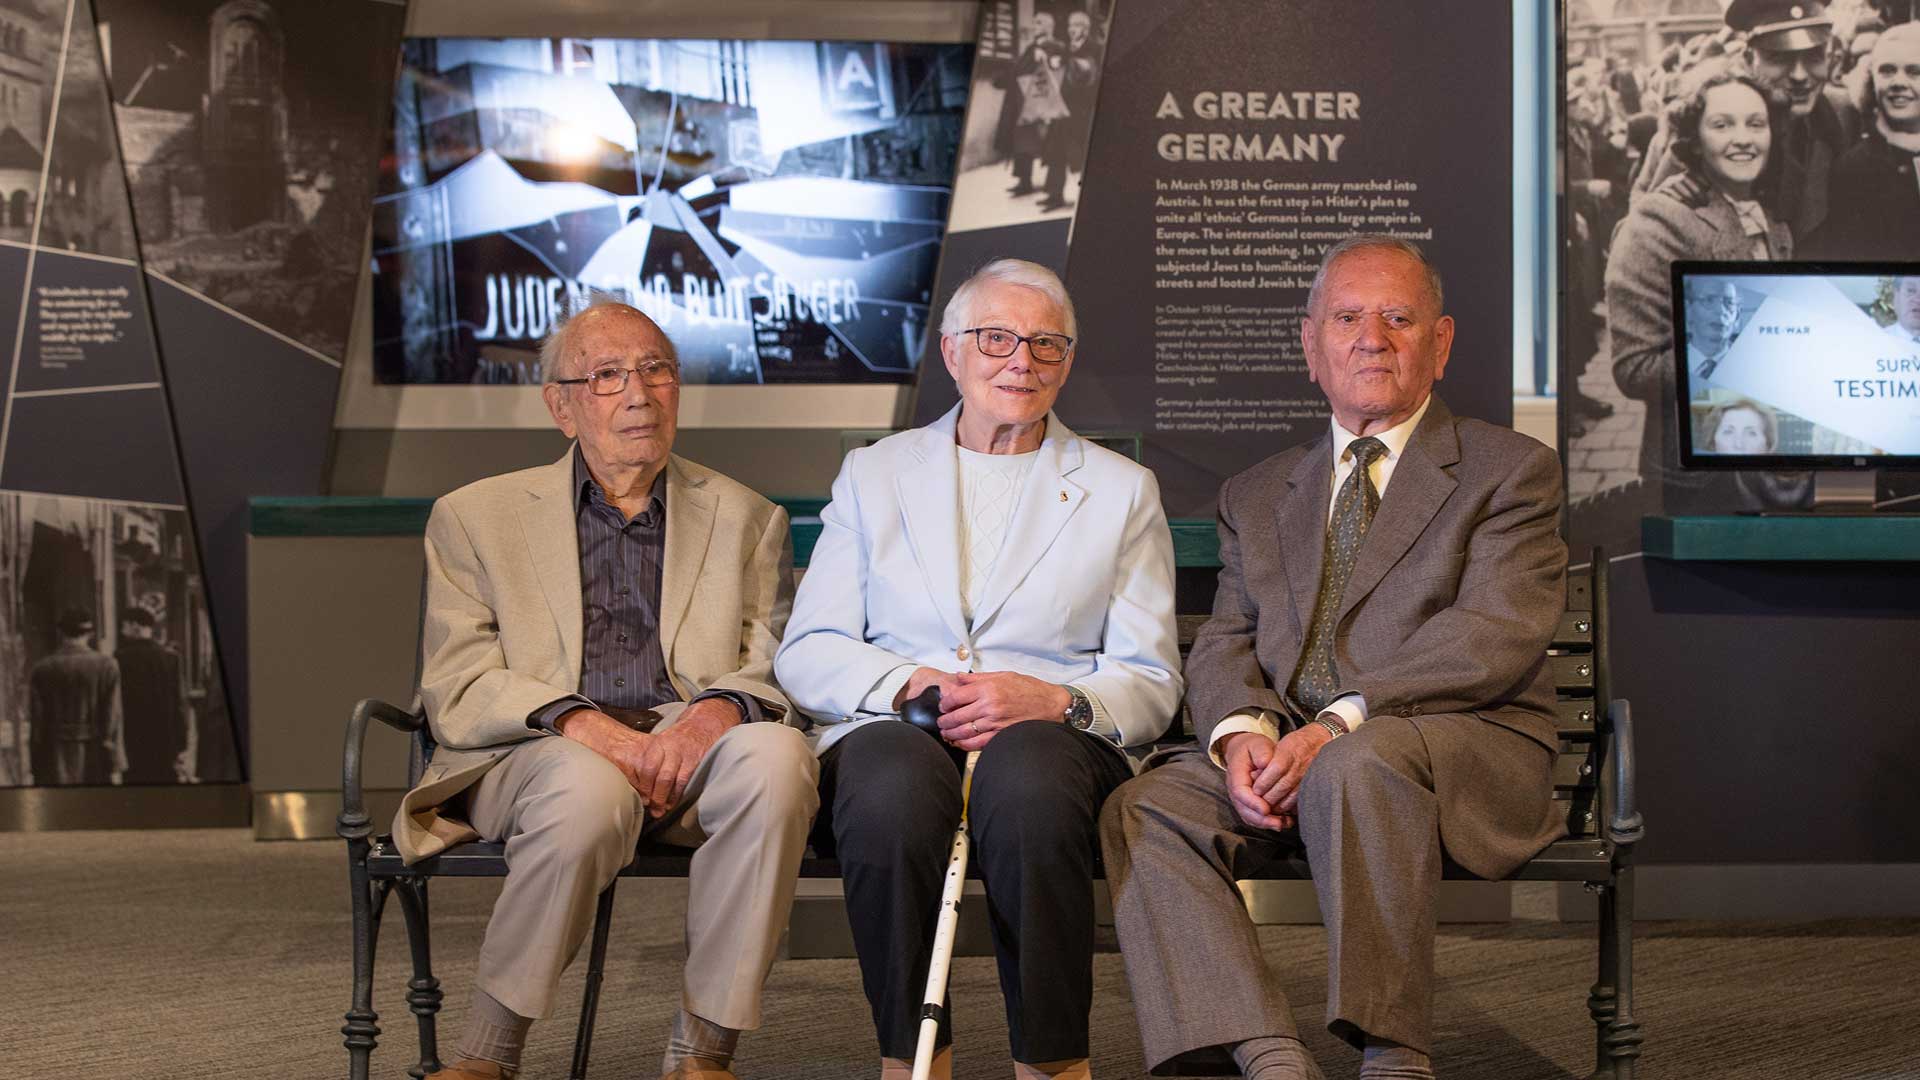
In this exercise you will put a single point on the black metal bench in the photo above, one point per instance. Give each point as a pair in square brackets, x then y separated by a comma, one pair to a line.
[1594, 784]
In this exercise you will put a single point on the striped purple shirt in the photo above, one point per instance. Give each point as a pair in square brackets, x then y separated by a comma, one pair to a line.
[620, 560]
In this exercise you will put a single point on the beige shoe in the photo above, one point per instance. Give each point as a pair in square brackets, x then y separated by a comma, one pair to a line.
[472, 1069]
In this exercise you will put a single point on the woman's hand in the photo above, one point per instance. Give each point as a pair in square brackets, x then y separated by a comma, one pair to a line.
[985, 702]
[918, 682]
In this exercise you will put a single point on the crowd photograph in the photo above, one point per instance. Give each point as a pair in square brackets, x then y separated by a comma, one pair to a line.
[1773, 130]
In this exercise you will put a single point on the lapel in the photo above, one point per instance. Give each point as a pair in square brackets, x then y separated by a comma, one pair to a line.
[1302, 519]
[690, 514]
[929, 492]
[1729, 235]
[1728, 239]
[1047, 501]
[1420, 484]
[547, 523]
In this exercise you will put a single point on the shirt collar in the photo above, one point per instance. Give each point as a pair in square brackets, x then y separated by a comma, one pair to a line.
[1395, 438]
[587, 493]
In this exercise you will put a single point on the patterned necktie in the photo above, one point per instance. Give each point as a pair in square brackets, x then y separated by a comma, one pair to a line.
[1317, 681]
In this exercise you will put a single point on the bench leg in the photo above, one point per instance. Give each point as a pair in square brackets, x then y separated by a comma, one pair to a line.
[1621, 1044]
[423, 991]
[362, 1029]
[1602, 1001]
[596, 967]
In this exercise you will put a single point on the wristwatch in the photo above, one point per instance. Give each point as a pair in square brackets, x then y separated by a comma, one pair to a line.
[1079, 712]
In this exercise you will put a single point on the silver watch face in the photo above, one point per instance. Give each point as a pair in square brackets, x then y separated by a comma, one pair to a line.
[1079, 711]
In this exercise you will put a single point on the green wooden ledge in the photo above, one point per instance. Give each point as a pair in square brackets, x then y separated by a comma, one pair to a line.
[1797, 538]
[1195, 545]
[336, 515]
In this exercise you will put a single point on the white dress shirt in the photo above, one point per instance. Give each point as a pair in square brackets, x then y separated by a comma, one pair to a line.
[1349, 709]
[1902, 334]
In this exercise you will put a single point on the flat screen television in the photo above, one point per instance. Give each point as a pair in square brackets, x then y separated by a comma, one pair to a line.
[1798, 365]
[776, 206]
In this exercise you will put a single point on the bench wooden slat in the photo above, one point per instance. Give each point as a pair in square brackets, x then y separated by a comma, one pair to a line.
[1572, 769]
[1575, 630]
[1572, 670]
[1574, 715]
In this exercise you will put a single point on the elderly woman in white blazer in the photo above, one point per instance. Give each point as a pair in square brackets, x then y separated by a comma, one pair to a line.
[1029, 574]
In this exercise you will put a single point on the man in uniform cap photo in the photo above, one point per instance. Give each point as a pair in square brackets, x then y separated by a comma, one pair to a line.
[1787, 52]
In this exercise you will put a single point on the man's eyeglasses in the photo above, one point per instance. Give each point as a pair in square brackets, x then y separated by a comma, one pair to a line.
[608, 381]
[1000, 343]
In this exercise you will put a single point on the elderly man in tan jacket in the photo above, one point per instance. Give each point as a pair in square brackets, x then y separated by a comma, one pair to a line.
[598, 668]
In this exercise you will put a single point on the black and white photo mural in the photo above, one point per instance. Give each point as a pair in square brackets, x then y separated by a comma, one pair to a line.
[184, 192]
[1756, 130]
[107, 664]
[108, 671]
[777, 206]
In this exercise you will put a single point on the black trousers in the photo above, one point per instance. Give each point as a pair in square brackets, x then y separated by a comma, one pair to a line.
[889, 802]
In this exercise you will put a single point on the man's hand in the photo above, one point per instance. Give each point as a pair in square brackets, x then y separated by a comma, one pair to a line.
[657, 765]
[671, 754]
[1247, 754]
[1279, 782]
[1264, 776]
[985, 702]
[922, 678]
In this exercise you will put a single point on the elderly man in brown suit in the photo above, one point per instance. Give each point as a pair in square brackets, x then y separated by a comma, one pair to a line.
[1371, 688]
[598, 667]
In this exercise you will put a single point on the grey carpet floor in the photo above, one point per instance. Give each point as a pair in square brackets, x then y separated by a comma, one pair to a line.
[204, 954]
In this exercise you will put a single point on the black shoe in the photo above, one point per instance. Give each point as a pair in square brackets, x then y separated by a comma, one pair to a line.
[1022, 188]
[1054, 202]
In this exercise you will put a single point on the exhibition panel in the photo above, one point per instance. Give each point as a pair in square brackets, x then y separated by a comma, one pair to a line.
[101, 581]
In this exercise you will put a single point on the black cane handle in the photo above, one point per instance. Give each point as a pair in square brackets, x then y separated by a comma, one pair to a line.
[923, 711]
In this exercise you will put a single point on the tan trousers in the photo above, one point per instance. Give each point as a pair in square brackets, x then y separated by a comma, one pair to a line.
[570, 821]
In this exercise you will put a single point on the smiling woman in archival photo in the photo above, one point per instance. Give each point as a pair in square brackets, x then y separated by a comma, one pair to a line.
[1723, 131]
[1875, 212]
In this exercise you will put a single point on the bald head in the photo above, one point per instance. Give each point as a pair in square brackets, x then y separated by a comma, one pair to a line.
[558, 353]
[1376, 242]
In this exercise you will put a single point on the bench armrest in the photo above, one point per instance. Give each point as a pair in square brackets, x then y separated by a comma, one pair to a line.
[1624, 826]
[353, 823]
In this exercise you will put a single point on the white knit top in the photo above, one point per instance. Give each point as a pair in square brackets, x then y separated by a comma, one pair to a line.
[989, 490]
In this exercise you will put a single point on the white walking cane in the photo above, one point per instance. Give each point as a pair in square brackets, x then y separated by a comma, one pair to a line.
[923, 712]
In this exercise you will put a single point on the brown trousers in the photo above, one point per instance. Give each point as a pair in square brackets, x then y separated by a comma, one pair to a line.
[1377, 811]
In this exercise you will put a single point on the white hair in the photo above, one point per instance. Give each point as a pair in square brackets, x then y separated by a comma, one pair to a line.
[958, 315]
[1375, 242]
[553, 348]
[1704, 288]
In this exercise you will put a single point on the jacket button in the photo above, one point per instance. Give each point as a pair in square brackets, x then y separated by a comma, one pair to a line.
[961, 653]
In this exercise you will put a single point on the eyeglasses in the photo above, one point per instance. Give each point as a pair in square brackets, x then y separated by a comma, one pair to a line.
[1000, 343]
[608, 381]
